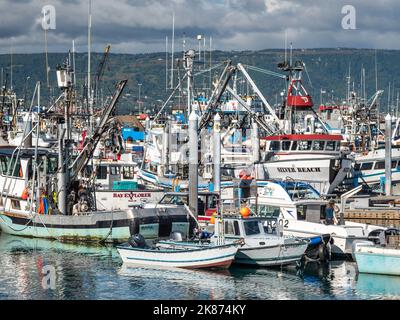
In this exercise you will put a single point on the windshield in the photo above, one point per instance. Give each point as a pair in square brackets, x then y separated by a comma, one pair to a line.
[300, 192]
[174, 199]
[251, 228]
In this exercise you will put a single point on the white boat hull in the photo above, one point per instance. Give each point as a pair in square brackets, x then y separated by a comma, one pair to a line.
[271, 255]
[377, 260]
[316, 171]
[202, 257]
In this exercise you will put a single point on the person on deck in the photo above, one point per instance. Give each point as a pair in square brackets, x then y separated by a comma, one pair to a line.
[330, 213]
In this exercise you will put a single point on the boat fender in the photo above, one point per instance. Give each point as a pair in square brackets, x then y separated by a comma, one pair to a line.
[316, 240]
[137, 241]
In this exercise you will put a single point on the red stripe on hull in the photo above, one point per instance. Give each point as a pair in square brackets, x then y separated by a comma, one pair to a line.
[222, 264]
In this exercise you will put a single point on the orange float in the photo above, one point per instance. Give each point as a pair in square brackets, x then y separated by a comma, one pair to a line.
[245, 212]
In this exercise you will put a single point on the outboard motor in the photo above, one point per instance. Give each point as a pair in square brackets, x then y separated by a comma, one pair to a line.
[137, 241]
[377, 236]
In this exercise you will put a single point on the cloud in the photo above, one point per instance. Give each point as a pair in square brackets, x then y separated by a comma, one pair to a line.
[132, 26]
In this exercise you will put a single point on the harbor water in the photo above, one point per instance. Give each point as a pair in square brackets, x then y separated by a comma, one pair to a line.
[86, 272]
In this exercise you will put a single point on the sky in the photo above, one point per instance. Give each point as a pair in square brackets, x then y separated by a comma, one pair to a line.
[141, 26]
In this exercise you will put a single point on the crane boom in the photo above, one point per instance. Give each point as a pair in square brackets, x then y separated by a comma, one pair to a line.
[258, 92]
[217, 94]
[90, 144]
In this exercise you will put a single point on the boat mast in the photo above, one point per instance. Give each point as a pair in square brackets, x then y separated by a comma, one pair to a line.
[172, 49]
[90, 100]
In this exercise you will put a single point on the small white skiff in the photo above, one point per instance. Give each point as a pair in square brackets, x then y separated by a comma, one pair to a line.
[180, 256]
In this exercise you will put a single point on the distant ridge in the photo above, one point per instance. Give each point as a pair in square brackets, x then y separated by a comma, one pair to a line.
[327, 68]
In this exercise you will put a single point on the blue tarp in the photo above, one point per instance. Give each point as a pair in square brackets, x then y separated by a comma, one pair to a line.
[132, 134]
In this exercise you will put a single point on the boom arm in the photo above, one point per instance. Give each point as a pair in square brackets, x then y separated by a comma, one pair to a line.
[90, 144]
[217, 94]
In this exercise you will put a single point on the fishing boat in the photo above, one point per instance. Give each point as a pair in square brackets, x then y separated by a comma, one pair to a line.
[260, 248]
[178, 255]
[48, 193]
[298, 209]
[304, 149]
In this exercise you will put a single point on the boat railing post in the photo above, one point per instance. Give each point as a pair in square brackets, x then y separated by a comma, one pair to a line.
[193, 163]
[388, 155]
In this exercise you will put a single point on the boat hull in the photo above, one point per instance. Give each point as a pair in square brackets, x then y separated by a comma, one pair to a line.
[376, 260]
[271, 255]
[98, 227]
[210, 257]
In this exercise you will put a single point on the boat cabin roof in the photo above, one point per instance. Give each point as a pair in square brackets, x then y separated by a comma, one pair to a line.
[305, 137]
[26, 152]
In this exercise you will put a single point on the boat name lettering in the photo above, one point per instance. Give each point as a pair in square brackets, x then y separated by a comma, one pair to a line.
[131, 195]
[299, 169]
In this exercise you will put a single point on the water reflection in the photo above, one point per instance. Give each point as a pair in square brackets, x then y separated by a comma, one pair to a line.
[378, 286]
[97, 272]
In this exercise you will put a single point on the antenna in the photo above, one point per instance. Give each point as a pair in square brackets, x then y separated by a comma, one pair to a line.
[210, 63]
[46, 57]
[173, 49]
[166, 63]
[89, 65]
[73, 61]
[376, 72]
[11, 67]
[285, 46]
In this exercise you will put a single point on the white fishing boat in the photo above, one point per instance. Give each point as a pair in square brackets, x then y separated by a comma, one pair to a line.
[260, 248]
[179, 255]
[297, 208]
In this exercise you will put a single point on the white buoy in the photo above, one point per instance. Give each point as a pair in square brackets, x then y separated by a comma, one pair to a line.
[193, 162]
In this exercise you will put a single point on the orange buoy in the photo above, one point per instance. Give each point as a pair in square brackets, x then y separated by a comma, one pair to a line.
[245, 212]
[212, 219]
[25, 194]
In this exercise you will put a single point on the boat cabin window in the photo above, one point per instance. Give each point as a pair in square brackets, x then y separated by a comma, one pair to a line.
[251, 227]
[275, 146]
[301, 192]
[381, 165]
[310, 213]
[301, 213]
[286, 145]
[304, 145]
[101, 172]
[174, 199]
[232, 228]
[115, 171]
[4, 165]
[267, 211]
[294, 145]
[330, 145]
[52, 165]
[12, 167]
[367, 166]
[128, 172]
[15, 204]
[357, 166]
[319, 145]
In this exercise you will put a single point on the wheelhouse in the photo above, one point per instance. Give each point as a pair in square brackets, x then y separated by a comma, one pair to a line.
[304, 143]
